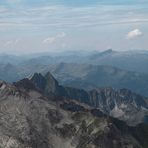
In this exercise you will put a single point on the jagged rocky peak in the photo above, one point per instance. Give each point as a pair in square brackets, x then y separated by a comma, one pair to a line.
[48, 84]
[52, 85]
[123, 96]
[39, 80]
[36, 76]
[49, 77]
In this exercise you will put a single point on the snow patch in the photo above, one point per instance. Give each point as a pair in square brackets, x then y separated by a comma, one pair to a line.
[116, 112]
[123, 106]
[3, 87]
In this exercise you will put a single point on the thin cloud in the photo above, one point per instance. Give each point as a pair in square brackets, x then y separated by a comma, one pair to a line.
[13, 1]
[11, 42]
[134, 34]
[61, 35]
[51, 40]
[58, 16]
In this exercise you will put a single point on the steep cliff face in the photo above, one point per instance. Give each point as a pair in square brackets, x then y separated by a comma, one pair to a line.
[122, 104]
[47, 84]
[28, 119]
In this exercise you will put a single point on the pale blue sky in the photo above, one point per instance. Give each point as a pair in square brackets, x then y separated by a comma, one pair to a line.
[57, 25]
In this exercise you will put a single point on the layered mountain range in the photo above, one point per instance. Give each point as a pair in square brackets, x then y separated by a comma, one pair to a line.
[87, 77]
[36, 113]
[87, 70]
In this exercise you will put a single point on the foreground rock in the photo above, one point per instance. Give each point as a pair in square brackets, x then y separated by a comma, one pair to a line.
[28, 119]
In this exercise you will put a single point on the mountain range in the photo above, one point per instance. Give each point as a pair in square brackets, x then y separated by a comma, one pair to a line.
[122, 104]
[37, 112]
[87, 71]
[131, 60]
[87, 77]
